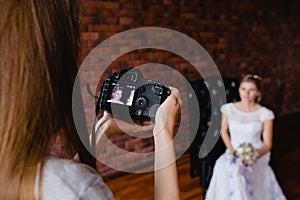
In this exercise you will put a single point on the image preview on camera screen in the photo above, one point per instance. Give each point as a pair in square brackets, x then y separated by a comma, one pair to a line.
[123, 94]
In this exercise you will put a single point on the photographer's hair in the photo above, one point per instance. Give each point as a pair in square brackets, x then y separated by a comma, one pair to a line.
[253, 78]
[38, 65]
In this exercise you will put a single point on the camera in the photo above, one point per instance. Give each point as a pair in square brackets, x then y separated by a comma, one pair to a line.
[129, 96]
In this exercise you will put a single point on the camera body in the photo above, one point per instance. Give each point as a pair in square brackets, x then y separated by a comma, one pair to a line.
[129, 96]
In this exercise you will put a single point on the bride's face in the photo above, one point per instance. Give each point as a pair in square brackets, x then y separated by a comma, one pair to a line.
[117, 95]
[248, 91]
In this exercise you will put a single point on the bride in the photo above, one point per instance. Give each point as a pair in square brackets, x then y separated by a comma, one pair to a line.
[243, 122]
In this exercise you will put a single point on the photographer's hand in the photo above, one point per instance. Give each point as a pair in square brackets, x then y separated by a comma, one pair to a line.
[107, 126]
[166, 178]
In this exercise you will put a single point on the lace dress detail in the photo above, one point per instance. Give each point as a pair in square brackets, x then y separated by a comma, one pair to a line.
[228, 182]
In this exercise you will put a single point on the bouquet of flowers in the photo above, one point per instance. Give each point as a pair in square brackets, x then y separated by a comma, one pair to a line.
[247, 153]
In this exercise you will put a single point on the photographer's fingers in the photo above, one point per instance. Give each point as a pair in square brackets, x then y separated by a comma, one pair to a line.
[117, 126]
[106, 116]
[176, 93]
[166, 117]
[167, 113]
[127, 127]
[108, 126]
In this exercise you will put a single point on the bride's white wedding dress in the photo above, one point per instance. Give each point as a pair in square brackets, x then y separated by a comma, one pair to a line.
[233, 181]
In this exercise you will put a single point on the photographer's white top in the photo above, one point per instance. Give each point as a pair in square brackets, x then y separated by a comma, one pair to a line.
[67, 179]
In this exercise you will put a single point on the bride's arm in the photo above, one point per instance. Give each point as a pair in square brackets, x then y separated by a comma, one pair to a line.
[267, 136]
[225, 135]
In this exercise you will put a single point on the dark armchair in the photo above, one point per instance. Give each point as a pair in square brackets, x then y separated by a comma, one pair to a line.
[201, 162]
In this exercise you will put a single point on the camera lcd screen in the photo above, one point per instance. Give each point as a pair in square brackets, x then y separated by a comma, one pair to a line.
[123, 94]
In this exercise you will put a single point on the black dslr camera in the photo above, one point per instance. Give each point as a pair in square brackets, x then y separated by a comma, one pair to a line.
[131, 97]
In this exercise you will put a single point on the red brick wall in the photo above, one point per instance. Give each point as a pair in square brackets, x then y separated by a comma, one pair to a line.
[260, 37]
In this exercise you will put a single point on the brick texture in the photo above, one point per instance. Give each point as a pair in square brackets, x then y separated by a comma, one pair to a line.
[261, 37]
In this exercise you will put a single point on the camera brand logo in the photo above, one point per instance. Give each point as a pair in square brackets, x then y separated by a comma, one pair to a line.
[164, 39]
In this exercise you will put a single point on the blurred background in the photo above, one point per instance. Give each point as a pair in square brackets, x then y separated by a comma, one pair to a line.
[260, 37]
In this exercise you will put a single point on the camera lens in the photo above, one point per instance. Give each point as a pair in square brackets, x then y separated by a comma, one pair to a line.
[141, 102]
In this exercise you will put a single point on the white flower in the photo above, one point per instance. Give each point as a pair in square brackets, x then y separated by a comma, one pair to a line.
[248, 149]
[240, 150]
[247, 157]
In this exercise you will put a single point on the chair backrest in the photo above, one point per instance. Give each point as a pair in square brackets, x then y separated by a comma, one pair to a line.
[204, 98]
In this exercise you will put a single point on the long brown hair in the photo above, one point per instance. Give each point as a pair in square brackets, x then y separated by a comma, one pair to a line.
[38, 64]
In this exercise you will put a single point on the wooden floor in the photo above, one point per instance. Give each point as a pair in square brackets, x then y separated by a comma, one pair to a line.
[286, 165]
[140, 186]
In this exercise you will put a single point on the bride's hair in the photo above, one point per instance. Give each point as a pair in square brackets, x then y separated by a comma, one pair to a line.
[256, 79]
